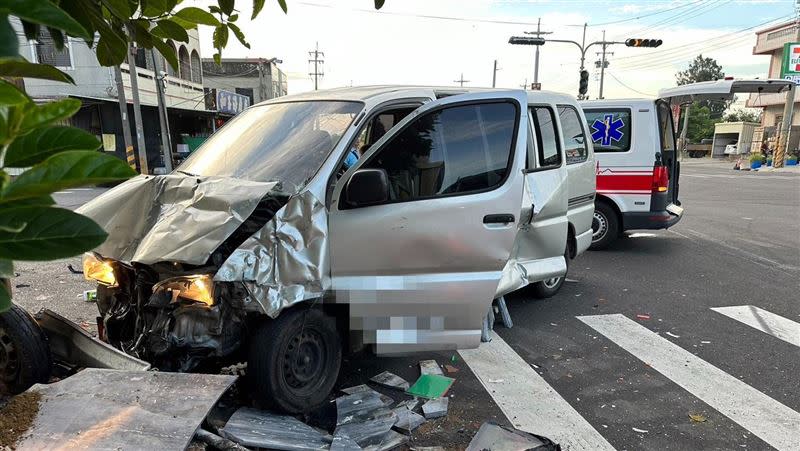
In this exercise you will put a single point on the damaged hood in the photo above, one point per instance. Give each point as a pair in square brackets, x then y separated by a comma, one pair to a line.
[175, 217]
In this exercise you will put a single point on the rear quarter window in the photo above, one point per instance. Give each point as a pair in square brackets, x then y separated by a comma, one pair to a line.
[610, 129]
[575, 147]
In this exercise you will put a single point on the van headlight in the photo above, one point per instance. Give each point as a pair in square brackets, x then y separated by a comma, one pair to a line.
[198, 288]
[99, 270]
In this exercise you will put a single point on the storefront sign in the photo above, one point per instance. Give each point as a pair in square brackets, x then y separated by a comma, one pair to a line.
[231, 103]
[790, 70]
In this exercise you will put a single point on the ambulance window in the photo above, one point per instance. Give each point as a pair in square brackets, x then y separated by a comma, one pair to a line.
[574, 137]
[610, 129]
[665, 127]
[544, 123]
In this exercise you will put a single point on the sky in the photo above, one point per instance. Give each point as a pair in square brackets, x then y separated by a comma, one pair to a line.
[434, 42]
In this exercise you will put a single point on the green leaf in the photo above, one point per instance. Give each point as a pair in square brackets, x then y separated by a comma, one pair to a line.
[141, 33]
[40, 115]
[45, 13]
[111, 48]
[220, 37]
[239, 35]
[168, 29]
[10, 95]
[379, 4]
[50, 233]
[81, 11]
[198, 16]
[18, 67]
[258, 5]
[214, 9]
[152, 8]
[5, 298]
[9, 43]
[119, 8]
[38, 201]
[184, 23]
[233, 18]
[66, 170]
[218, 59]
[167, 52]
[226, 6]
[283, 6]
[42, 143]
[6, 269]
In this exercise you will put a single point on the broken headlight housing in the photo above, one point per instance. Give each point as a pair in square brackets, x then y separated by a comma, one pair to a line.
[198, 288]
[99, 270]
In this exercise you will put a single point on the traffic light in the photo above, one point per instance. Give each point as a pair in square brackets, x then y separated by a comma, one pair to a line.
[526, 40]
[643, 42]
[583, 87]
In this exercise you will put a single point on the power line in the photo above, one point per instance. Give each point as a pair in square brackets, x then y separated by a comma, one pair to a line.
[628, 87]
[680, 17]
[684, 5]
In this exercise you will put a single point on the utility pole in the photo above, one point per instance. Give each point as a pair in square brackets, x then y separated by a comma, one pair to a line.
[461, 80]
[788, 112]
[538, 34]
[166, 141]
[130, 155]
[494, 74]
[262, 88]
[603, 64]
[316, 58]
[137, 113]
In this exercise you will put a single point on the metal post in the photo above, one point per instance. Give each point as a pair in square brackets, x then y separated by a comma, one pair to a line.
[262, 90]
[684, 131]
[166, 141]
[603, 65]
[137, 114]
[316, 70]
[783, 138]
[494, 74]
[536, 57]
[130, 155]
[583, 57]
[270, 85]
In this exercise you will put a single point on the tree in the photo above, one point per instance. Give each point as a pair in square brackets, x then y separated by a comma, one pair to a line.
[701, 124]
[704, 69]
[742, 115]
[59, 157]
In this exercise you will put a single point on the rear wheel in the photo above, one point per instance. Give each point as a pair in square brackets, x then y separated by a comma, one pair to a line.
[294, 360]
[605, 226]
[24, 354]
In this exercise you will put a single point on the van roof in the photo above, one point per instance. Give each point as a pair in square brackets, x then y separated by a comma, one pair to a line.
[362, 93]
[637, 103]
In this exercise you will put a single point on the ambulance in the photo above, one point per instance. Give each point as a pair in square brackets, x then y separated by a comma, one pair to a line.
[637, 166]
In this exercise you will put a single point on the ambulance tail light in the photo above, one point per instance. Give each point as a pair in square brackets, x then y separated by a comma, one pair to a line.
[660, 179]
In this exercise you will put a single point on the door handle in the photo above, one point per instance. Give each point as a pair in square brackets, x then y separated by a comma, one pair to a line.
[498, 219]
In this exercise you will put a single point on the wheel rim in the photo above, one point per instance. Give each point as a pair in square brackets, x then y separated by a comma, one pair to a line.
[9, 361]
[599, 226]
[304, 361]
[551, 283]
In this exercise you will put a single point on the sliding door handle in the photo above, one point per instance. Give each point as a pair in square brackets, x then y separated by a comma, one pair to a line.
[498, 219]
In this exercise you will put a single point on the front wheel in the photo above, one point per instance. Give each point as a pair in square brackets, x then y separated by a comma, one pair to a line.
[24, 353]
[605, 226]
[294, 360]
[548, 288]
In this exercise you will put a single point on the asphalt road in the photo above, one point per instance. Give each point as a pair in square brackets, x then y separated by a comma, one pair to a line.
[630, 347]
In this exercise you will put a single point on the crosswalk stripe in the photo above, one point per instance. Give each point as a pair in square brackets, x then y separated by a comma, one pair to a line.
[773, 422]
[527, 400]
[767, 322]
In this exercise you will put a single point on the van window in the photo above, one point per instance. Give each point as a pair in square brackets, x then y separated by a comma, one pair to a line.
[665, 127]
[455, 150]
[610, 129]
[547, 148]
[574, 136]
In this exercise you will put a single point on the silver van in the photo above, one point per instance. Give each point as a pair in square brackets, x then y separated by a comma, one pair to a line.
[384, 216]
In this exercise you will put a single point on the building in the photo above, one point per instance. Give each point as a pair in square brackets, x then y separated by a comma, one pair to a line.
[770, 42]
[257, 78]
[96, 87]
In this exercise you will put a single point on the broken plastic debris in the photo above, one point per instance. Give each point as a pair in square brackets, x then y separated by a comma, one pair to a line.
[451, 369]
[262, 429]
[641, 431]
[492, 436]
[407, 420]
[643, 316]
[431, 386]
[672, 335]
[435, 408]
[409, 404]
[430, 367]
[363, 419]
[387, 400]
[697, 418]
[390, 380]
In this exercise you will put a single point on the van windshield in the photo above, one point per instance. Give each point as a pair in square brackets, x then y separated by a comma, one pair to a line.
[283, 142]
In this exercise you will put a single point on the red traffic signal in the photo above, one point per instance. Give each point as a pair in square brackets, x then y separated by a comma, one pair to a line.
[643, 42]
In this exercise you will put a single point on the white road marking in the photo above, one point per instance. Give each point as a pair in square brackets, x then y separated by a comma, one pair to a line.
[767, 322]
[527, 400]
[771, 421]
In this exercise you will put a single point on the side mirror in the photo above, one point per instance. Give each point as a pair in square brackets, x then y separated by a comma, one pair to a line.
[367, 187]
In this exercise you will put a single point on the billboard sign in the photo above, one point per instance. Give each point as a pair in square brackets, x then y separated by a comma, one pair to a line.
[790, 69]
[231, 103]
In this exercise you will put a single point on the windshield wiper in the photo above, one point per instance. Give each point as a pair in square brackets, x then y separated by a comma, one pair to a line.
[187, 173]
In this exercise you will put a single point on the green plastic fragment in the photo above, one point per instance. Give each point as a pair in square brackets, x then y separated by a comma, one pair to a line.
[431, 386]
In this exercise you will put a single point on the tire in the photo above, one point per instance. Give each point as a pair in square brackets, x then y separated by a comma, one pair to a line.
[548, 288]
[301, 383]
[605, 226]
[24, 353]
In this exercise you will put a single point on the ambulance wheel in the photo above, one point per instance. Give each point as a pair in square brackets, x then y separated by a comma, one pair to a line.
[294, 361]
[24, 353]
[605, 226]
[548, 288]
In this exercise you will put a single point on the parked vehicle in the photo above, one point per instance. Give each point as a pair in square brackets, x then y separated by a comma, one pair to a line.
[314, 223]
[637, 167]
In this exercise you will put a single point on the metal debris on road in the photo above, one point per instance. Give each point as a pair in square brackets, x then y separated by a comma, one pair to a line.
[263, 429]
[494, 437]
[363, 388]
[430, 367]
[362, 418]
[407, 420]
[390, 380]
[435, 408]
[409, 404]
[431, 386]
